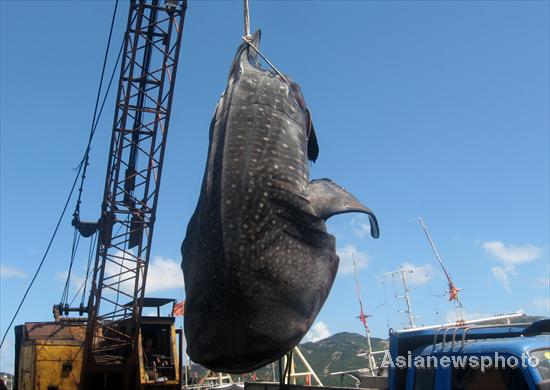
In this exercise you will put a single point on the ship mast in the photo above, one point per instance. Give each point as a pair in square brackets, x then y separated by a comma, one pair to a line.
[371, 363]
[453, 290]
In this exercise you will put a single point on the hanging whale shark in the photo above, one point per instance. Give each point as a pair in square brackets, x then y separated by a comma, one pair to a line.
[257, 259]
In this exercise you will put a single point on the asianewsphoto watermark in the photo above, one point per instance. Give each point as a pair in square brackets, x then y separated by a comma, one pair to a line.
[481, 362]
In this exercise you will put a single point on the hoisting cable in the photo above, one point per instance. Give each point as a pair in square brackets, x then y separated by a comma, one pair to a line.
[266, 60]
[248, 39]
[76, 241]
[66, 205]
[85, 161]
[281, 377]
[43, 258]
[94, 122]
[91, 252]
[246, 19]
[288, 368]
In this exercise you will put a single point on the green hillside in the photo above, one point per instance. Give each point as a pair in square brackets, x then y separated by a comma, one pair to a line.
[339, 353]
[336, 353]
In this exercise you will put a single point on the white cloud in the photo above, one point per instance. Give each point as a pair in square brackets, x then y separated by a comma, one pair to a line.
[10, 271]
[512, 254]
[317, 332]
[360, 226]
[502, 274]
[346, 254]
[466, 315]
[76, 280]
[543, 304]
[418, 275]
[163, 274]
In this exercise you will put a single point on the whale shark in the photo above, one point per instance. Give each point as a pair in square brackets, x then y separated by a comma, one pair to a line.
[258, 261]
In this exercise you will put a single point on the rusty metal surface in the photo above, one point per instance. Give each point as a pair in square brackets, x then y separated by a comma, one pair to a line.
[54, 331]
[142, 115]
[50, 356]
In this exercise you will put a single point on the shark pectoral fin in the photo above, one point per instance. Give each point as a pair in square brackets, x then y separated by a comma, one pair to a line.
[328, 199]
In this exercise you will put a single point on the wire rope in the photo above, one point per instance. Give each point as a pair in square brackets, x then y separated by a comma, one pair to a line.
[85, 160]
[69, 197]
[74, 250]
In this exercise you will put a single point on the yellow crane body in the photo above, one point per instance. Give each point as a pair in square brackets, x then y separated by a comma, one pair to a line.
[49, 355]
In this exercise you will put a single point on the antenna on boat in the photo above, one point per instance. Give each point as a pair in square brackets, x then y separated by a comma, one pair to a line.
[403, 272]
[363, 318]
[453, 290]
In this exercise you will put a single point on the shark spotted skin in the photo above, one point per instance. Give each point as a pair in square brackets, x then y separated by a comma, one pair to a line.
[257, 259]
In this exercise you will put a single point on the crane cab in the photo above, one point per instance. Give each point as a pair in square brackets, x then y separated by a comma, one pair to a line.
[160, 347]
[49, 355]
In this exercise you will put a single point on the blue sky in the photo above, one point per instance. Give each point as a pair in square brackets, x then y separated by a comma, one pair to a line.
[432, 109]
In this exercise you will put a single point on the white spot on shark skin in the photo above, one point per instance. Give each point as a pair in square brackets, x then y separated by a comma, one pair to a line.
[285, 146]
[291, 167]
[276, 166]
[265, 139]
[233, 185]
[227, 201]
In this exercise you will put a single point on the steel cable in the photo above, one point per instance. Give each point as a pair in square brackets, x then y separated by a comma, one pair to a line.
[74, 250]
[69, 197]
[92, 134]
[85, 161]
